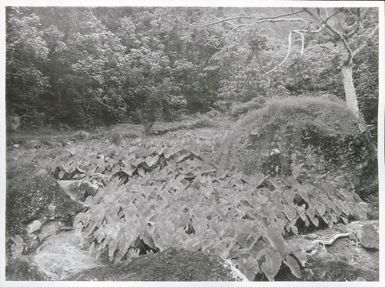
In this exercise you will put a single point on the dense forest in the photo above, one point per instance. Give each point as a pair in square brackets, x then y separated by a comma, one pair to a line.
[81, 67]
[192, 144]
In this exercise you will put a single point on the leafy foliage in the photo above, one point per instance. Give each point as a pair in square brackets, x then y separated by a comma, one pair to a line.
[157, 196]
[92, 66]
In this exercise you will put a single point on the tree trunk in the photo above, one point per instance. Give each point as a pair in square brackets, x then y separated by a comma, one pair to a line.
[350, 91]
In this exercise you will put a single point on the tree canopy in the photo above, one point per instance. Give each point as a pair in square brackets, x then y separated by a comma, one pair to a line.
[83, 67]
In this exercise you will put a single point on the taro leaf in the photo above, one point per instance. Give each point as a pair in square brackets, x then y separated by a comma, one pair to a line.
[147, 238]
[111, 249]
[141, 172]
[129, 170]
[320, 208]
[311, 214]
[300, 256]
[133, 252]
[61, 174]
[249, 267]
[222, 249]
[289, 195]
[177, 185]
[344, 219]
[369, 237]
[324, 218]
[168, 152]
[122, 249]
[181, 155]
[275, 183]
[151, 160]
[277, 239]
[301, 212]
[256, 249]
[360, 212]
[290, 212]
[294, 229]
[191, 243]
[239, 252]
[93, 249]
[272, 263]
[292, 263]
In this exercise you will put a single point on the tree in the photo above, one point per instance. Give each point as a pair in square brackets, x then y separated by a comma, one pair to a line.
[350, 29]
[26, 52]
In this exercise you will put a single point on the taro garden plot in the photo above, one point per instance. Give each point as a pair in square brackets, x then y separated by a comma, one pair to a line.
[154, 195]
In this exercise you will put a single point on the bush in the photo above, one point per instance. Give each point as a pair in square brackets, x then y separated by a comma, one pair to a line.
[311, 138]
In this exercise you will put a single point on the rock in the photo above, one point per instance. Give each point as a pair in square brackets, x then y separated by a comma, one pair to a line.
[369, 237]
[60, 256]
[170, 265]
[22, 269]
[34, 196]
[50, 228]
[310, 138]
[343, 260]
[34, 226]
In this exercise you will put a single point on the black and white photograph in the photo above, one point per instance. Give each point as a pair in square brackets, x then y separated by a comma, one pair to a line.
[192, 141]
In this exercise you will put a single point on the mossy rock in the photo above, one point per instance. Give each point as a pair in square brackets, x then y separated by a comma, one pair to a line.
[21, 269]
[35, 195]
[311, 138]
[171, 265]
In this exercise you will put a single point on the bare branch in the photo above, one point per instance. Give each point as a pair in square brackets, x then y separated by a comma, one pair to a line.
[343, 39]
[307, 10]
[279, 18]
[287, 55]
[359, 49]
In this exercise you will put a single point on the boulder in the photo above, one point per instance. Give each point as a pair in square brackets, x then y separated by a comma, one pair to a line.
[22, 269]
[310, 138]
[170, 265]
[32, 200]
[61, 256]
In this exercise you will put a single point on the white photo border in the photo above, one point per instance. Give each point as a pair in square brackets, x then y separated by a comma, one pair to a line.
[193, 3]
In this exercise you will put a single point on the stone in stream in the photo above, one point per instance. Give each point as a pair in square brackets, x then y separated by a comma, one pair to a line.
[34, 198]
[61, 256]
